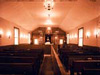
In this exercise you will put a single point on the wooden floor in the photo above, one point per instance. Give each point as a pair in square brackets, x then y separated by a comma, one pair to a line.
[47, 66]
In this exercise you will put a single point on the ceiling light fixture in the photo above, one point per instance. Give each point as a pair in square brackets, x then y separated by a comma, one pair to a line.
[48, 4]
[49, 15]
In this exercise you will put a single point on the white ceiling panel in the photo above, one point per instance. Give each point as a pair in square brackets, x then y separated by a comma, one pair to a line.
[66, 14]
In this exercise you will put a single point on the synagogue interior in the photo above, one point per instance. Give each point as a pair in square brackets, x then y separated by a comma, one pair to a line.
[49, 37]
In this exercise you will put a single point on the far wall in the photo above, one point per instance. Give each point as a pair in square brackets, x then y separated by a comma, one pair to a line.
[56, 35]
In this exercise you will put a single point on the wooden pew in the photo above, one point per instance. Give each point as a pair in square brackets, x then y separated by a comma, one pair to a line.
[68, 57]
[78, 65]
[32, 63]
[20, 60]
[34, 53]
[71, 58]
[17, 68]
[26, 62]
[91, 71]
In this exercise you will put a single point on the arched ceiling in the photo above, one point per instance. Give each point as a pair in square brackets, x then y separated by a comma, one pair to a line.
[67, 14]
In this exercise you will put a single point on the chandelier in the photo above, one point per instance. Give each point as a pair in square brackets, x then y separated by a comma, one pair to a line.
[48, 4]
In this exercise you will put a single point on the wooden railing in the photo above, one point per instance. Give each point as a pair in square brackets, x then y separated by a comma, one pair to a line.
[57, 62]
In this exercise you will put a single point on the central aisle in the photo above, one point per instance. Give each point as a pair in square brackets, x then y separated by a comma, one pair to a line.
[52, 65]
[47, 66]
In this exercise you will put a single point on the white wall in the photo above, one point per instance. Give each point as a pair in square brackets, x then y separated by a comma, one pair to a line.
[6, 26]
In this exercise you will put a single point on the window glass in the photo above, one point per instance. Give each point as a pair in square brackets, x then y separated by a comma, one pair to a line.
[29, 37]
[80, 37]
[16, 36]
[61, 41]
[67, 38]
[36, 41]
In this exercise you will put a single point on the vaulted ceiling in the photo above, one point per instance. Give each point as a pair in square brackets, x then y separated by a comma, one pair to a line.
[67, 14]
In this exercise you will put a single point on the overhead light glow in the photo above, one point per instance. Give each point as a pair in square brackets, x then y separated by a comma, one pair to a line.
[48, 22]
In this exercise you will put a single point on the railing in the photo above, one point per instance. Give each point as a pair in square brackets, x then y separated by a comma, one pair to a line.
[59, 69]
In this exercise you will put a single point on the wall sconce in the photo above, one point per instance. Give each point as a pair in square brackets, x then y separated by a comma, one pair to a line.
[72, 36]
[21, 35]
[99, 32]
[88, 34]
[75, 36]
[41, 37]
[56, 37]
[9, 34]
[96, 33]
[1, 32]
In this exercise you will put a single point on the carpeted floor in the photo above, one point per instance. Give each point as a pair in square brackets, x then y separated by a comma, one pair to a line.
[47, 66]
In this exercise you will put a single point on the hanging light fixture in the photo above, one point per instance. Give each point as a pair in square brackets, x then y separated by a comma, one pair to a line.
[48, 4]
